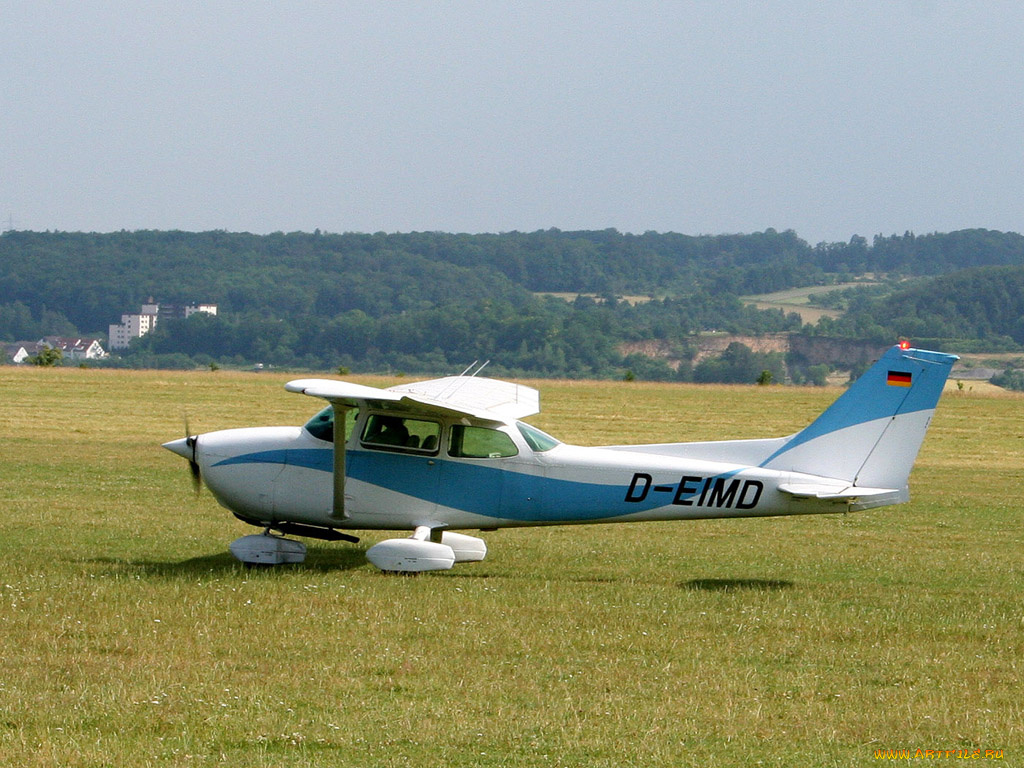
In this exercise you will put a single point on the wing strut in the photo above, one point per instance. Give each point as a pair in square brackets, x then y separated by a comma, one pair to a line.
[340, 438]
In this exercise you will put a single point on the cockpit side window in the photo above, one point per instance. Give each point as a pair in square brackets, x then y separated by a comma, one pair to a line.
[539, 441]
[398, 433]
[479, 443]
[321, 426]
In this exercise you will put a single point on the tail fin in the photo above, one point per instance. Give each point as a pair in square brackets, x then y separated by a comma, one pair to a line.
[870, 436]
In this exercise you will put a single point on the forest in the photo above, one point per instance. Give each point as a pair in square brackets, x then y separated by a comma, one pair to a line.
[432, 302]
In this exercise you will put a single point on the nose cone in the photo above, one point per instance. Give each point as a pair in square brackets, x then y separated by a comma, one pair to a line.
[240, 466]
[181, 446]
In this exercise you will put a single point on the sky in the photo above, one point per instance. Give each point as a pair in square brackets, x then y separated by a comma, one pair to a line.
[829, 118]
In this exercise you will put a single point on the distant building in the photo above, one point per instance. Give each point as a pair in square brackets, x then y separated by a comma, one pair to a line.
[133, 326]
[17, 352]
[71, 348]
[74, 348]
[210, 309]
[183, 312]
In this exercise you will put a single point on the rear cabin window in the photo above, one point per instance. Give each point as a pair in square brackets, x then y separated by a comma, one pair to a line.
[321, 426]
[397, 433]
[479, 443]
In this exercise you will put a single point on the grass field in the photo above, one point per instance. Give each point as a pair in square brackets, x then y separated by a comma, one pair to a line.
[132, 638]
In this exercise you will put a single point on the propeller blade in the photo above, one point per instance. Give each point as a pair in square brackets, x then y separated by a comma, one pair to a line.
[193, 465]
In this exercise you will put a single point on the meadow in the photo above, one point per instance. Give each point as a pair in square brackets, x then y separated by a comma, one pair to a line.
[131, 637]
[799, 300]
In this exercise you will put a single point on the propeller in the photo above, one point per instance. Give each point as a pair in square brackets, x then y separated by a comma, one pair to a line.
[187, 447]
[193, 465]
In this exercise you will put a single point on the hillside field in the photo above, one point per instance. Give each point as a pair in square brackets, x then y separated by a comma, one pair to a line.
[798, 300]
[132, 638]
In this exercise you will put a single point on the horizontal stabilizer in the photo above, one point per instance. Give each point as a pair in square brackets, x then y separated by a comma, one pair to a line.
[856, 496]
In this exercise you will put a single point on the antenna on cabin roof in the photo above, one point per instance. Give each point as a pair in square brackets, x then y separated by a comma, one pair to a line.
[470, 368]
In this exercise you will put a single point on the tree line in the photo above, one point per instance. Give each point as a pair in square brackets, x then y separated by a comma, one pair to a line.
[435, 301]
[982, 306]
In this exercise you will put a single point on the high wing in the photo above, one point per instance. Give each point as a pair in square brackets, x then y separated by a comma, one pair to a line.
[488, 399]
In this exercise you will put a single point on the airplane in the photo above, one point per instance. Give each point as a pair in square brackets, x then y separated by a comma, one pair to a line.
[441, 456]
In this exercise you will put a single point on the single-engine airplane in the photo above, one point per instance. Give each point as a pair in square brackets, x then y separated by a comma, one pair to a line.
[449, 454]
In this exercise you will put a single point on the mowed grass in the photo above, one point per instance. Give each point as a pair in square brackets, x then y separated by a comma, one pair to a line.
[132, 638]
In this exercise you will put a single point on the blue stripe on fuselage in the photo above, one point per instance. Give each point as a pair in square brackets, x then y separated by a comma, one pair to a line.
[485, 490]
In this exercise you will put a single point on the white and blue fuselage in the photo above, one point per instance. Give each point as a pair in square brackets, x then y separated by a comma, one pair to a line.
[275, 474]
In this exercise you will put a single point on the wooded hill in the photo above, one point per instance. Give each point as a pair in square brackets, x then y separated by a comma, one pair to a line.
[434, 302]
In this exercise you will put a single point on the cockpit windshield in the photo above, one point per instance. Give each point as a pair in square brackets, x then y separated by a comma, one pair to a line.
[321, 426]
[537, 440]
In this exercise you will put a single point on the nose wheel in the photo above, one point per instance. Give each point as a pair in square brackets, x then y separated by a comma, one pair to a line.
[267, 549]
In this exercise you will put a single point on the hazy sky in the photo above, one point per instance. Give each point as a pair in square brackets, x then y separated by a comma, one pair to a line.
[830, 118]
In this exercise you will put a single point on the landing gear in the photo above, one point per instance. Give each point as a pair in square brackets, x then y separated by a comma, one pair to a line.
[426, 550]
[268, 549]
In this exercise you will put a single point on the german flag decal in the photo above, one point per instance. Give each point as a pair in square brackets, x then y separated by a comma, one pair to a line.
[898, 379]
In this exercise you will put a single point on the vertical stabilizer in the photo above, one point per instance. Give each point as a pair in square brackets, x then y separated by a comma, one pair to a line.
[870, 436]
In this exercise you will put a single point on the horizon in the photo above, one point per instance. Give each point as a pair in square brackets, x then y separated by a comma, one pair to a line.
[321, 232]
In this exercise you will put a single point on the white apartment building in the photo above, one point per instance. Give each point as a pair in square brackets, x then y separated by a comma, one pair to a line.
[210, 309]
[133, 326]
